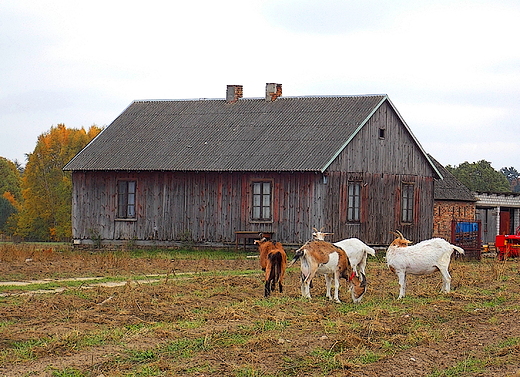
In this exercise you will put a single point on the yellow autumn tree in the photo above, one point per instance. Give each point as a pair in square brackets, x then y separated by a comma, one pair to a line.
[46, 188]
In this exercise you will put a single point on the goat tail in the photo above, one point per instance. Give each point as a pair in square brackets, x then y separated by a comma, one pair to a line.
[459, 250]
[276, 269]
[370, 251]
[299, 253]
[275, 273]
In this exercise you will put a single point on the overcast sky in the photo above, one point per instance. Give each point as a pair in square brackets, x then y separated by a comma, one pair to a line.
[451, 68]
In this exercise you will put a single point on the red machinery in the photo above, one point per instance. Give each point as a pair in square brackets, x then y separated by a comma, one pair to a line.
[508, 245]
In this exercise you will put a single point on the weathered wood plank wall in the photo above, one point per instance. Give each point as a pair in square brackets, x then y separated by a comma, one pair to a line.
[201, 206]
[384, 164]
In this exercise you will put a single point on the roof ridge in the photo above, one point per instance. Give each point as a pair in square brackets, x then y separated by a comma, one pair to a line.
[261, 98]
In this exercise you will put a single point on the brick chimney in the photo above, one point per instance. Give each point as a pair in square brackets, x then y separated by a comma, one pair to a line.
[233, 93]
[272, 91]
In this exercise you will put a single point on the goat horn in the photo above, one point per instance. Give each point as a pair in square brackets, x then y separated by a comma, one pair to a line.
[363, 280]
[400, 234]
[313, 228]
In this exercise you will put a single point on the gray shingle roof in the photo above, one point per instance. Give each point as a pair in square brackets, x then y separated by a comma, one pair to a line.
[289, 134]
[450, 188]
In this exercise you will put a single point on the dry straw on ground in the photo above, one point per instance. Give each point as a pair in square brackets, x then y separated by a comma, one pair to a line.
[208, 317]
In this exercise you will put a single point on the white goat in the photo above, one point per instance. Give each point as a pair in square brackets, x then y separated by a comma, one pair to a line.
[423, 258]
[357, 251]
[320, 257]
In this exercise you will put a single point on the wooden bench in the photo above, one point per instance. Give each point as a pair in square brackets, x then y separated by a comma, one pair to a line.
[248, 234]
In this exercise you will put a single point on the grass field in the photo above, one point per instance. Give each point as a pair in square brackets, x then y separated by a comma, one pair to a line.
[202, 313]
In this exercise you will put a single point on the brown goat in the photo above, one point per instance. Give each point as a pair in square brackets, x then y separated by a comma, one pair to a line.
[273, 260]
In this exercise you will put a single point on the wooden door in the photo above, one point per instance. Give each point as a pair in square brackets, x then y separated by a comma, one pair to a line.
[505, 222]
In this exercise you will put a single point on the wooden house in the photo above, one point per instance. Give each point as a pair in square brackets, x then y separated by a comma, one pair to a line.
[202, 170]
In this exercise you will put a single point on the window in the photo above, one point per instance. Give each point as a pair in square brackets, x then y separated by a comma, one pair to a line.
[261, 201]
[354, 201]
[382, 133]
[407, 203]
[126, 199]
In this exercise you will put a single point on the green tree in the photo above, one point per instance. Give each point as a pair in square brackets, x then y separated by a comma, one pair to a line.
[7, 211]
[10, 178]
[480, 176]
[10, 193]
[513, 177]
[46, 188]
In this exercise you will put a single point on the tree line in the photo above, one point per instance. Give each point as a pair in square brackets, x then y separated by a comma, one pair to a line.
[36, 200]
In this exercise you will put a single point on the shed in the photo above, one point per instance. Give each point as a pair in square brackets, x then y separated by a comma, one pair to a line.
[203, 169]
[499, 213]
[454, 213]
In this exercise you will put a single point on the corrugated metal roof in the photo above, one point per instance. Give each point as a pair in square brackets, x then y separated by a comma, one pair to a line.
[289, 134]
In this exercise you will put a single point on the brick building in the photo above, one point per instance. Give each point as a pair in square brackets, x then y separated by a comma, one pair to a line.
[452, 202]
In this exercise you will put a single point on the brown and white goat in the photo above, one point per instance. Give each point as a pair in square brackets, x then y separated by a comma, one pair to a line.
[357, 251]
[320, 257]
[423, 258]
[273, 260]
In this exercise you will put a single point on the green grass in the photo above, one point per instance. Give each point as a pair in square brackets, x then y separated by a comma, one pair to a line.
[6, 323]
[467, 367]
[367, 357]
[266, 325]
[138, 356]
[69, 372]
[24, 350]
[183, 348]
[191, 324]
[326, 359]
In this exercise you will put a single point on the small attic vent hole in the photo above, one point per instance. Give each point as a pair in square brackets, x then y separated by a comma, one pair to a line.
[382, 133]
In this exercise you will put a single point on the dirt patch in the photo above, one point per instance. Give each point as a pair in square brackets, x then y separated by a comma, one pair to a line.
[218, 324]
